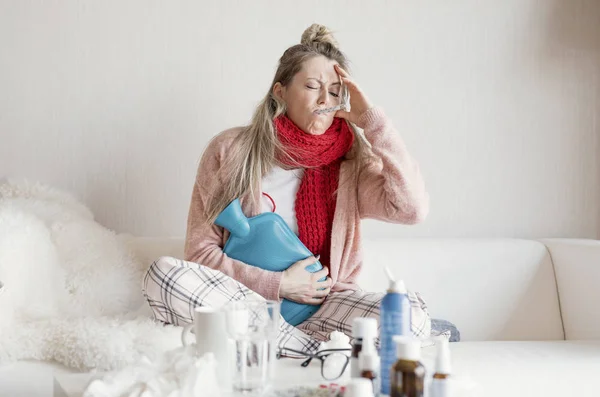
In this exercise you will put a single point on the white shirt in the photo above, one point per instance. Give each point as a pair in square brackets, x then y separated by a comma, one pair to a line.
[282, 185]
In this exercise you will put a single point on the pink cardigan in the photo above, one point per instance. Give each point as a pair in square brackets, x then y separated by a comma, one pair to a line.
[389, 188]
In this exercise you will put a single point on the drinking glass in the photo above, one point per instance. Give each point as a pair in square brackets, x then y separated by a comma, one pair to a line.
[252, 327]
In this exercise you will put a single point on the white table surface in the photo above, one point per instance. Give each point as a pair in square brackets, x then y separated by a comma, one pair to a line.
[48, 379]
[551, 368]
[288, 373]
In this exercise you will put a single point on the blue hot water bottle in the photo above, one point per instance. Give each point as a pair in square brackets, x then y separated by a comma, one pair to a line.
[267, 242]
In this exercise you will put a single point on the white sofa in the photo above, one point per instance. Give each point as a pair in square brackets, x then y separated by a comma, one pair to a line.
[525, 309]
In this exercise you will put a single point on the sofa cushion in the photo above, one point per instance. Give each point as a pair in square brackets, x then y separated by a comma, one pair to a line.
[492, 289]
[498, 369]
[439, 326]
[150, 249]
[577, 266]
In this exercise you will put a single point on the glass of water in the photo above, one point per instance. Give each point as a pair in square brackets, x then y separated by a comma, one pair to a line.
[252, 327]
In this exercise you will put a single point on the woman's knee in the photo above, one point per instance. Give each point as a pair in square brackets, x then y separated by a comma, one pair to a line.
[164, 264]
[156, 274]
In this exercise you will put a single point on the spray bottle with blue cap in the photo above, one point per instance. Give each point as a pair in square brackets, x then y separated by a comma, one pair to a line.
[395, 321]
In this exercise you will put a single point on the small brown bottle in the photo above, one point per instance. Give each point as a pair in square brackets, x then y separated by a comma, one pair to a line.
[408, 374]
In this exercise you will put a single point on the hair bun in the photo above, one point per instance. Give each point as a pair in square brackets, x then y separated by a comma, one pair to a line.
[318, 34]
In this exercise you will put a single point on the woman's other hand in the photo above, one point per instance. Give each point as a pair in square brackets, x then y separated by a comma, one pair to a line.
[299, 285]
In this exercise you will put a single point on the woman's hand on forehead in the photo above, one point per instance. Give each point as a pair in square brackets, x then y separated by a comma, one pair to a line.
[359, 103]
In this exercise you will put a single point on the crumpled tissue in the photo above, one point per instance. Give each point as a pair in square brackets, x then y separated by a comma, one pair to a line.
[178, 373]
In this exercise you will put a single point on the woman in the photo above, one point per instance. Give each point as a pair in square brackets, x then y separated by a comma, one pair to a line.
[320, 175]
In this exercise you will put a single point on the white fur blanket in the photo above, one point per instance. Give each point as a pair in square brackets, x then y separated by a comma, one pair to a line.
[72, 288]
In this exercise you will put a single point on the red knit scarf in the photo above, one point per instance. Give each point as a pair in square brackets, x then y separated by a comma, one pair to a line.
[321, 156]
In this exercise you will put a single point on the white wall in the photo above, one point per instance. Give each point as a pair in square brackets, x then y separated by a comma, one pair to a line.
[498, 100]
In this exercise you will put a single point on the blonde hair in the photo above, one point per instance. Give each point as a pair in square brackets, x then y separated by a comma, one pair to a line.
[254, 150]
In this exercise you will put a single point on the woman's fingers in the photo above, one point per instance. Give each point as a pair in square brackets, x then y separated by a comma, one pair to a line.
[321, 293]
[306, 262]
[342, 114]
[341, 71]
[320, 274]
[350, 83]
[316, 301]
[323, 284]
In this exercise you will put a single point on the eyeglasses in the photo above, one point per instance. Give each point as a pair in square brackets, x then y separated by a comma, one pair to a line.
[333, 361]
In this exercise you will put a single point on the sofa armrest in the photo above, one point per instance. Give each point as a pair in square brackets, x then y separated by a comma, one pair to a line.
[577, 269]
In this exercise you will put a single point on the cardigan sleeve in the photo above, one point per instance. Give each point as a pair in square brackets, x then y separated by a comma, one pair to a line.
[390, 187]
[204, 242]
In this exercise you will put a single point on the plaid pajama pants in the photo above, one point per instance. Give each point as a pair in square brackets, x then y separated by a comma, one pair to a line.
[174, 287]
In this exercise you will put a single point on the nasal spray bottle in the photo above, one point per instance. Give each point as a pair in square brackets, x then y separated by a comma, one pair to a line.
[395, 321]
[369, 364]
[441, 385]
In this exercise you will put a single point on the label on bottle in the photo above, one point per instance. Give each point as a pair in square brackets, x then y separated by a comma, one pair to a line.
[440, 388]
[391, 324]
[397, 384]
[388, 358]
[377, 385]
[354, 368]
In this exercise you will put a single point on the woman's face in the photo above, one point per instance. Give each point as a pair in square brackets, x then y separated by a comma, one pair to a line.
[315, 86]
